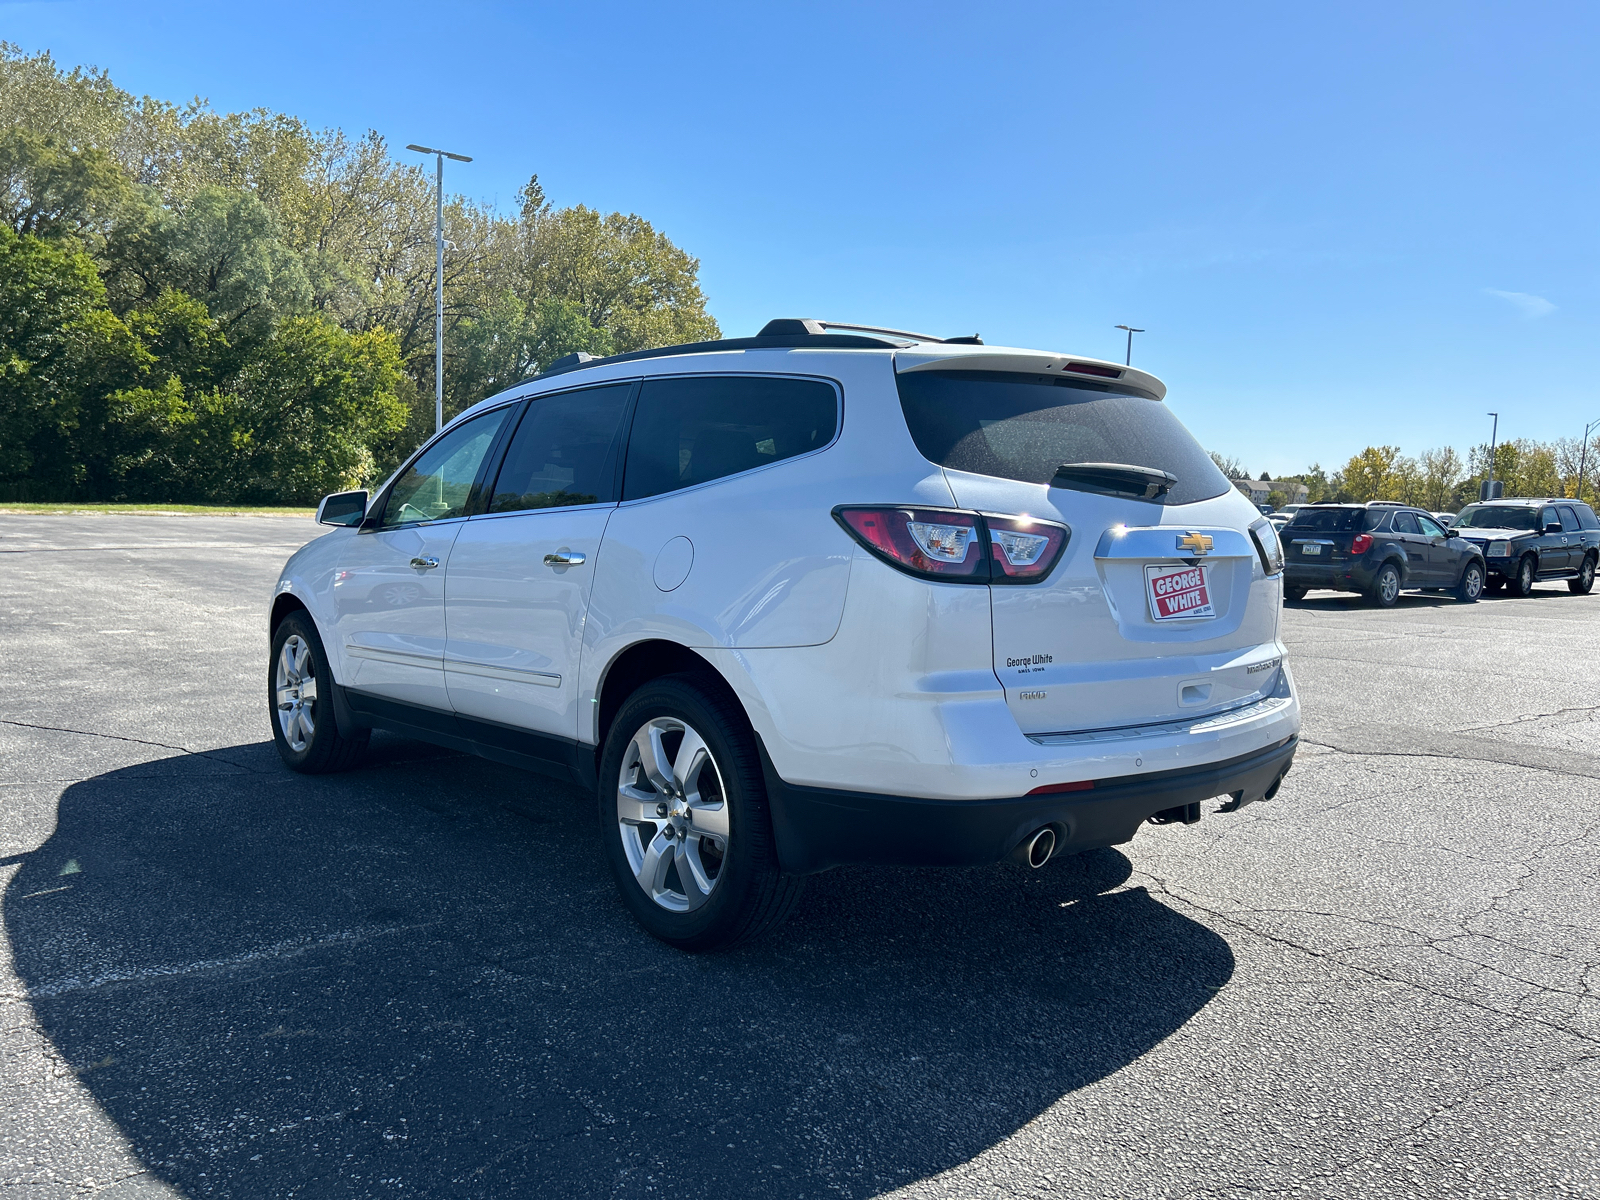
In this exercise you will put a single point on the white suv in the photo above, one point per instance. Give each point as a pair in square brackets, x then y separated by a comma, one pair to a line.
[830, 594]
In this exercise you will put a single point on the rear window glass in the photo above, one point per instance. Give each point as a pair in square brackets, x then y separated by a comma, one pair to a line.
[1026, 426]
[1497, 516]
[1586, 517]
[1336, 520]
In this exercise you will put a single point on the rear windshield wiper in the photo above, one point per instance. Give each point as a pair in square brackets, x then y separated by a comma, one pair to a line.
[1114, 479]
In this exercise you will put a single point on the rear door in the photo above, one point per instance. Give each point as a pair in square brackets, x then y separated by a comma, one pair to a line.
[518, 587]
[1158, 608]
[1422, 569]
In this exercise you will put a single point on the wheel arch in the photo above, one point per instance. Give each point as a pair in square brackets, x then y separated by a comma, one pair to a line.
[283, 604]
[641, 662]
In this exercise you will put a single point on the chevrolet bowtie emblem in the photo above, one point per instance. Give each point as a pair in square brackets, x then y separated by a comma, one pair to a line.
[1195, 543]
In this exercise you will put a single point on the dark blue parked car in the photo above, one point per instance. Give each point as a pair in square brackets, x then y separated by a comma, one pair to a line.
[1526, 540]
[1378, 549]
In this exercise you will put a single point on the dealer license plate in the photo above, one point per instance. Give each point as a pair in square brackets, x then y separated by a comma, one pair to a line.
[1179, 593]
[1310, 548]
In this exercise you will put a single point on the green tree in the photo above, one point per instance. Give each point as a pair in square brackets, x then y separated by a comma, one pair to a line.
[58, 344]
[54, 193]
[1369, 475]
[223, 249]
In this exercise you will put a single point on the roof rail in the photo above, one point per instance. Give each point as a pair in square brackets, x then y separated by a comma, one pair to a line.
[784, 333]
[805, 325]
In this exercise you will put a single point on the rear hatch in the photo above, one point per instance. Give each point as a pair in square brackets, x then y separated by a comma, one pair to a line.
[1158, 609]
[1322, 537]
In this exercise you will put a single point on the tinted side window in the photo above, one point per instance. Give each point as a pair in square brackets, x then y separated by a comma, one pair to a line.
[439, 483]
[1430, 527]
[1405, 522]
[563, 451]
[694, 429]
[1569, 519]
[1547, 516]
[1586, 517]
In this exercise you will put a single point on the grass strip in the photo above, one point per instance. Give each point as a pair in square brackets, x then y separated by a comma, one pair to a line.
[155, 510]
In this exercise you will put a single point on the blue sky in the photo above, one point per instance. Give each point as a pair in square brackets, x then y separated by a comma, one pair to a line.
[1341, 224]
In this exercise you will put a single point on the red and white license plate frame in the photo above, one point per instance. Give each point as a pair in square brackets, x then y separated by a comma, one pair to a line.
[1179, 592]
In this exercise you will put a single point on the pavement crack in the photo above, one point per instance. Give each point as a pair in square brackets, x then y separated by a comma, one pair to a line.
[117, 737]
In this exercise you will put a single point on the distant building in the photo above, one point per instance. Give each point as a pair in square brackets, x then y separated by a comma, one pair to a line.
[1258, 490]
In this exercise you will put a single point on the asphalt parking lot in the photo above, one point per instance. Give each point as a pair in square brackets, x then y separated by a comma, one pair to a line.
[221, 979]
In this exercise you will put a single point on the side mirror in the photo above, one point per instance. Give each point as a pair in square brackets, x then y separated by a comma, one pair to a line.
[342, 508]
[1452, 532]
[1553, 527]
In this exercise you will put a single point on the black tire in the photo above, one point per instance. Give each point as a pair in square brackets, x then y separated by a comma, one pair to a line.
[749, 895]
[1584, 583]
[1521, 584]
[326, 748]
[1471, 585]
[1385, 586]
[1294, 594]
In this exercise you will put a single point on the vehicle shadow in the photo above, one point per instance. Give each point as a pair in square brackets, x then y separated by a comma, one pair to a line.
[417, 976]
[1335, 601]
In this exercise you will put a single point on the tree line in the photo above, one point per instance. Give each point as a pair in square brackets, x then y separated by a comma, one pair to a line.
[1442, 480]
[236, 308]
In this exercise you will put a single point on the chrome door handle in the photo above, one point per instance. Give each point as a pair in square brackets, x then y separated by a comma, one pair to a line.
[564, 558]
[425, 564]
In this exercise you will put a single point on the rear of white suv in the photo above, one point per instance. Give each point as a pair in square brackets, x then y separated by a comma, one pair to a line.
[827, 595]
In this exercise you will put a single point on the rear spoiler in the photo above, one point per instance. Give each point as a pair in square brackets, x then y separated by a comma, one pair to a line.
[1117, 376]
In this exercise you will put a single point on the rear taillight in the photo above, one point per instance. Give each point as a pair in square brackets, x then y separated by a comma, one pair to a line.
[957, 546]
[1268, 547]
[935, 543]
[1022, 549]
[1361, 543]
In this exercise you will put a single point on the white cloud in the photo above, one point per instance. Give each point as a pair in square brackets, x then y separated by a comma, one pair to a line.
[1530, 306]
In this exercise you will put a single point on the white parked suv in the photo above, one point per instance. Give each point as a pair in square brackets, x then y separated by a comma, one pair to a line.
[827, 595]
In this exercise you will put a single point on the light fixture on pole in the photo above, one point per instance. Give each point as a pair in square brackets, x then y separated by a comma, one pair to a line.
[438, 278]
[1494, 435]
[1131, 331]
[1583, 458]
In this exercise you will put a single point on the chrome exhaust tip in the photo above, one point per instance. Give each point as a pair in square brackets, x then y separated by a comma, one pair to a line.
[1036, 850]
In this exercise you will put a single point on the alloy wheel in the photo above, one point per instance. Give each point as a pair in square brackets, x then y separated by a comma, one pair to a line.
[1389, 586]
[1473, 584]
[295, 689]
[672, 814]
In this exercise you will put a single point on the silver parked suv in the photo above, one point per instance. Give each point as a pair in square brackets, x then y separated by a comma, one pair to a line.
[830, 594]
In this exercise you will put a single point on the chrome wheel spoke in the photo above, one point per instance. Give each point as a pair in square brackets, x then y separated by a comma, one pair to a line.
[658, 855]
[651, 756]
[696, 885]
[308, 691]
[635, 806]
[710, 820]
[691, 759]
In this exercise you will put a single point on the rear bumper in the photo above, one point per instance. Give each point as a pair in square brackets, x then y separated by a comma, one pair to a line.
[818, 828]
[1352, 575]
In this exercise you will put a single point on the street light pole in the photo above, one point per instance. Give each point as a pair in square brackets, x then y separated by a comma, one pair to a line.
[438, 277]
[1494, 435]
[1131, 331]
[1583, 456]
